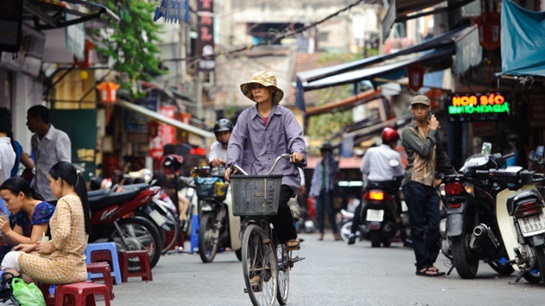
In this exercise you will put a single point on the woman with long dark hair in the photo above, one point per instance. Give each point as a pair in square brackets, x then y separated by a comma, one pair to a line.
[60, 260]
[30, 214]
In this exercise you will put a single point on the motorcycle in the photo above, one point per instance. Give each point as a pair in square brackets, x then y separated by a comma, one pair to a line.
[471, 230]
[345, 224]
[218, 227]
[118, 217]
[522, 220]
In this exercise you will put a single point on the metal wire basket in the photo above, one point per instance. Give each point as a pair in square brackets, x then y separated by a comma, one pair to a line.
[255, 195]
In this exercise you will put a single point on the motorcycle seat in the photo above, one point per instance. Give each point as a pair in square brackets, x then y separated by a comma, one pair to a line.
[112, 198]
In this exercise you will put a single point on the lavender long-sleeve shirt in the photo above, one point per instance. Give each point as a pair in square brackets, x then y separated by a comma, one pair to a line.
[254, 146]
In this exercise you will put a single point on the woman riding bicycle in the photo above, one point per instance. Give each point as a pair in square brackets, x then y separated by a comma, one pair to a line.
[261, 134]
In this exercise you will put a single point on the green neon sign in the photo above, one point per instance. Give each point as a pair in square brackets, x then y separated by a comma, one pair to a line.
[478, 106]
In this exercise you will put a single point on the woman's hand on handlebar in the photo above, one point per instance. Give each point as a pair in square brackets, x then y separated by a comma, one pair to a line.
[297, 157]
[228, 172]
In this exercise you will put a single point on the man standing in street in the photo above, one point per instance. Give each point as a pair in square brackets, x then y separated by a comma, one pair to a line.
[321, 190]
[423, 152]
[49, 146]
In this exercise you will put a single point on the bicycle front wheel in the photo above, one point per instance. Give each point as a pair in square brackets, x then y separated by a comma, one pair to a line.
[282, 254]
[259, 266]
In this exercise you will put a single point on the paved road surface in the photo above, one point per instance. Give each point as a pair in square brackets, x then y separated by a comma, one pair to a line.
[332, 274]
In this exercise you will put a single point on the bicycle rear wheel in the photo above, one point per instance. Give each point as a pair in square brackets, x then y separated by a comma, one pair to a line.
[259, 266]
[283, 256]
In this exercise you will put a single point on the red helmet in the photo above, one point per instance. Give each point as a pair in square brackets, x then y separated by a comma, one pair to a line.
[389, 134]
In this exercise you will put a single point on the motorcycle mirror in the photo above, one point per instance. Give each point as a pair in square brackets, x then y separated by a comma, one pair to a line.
[394, 163]
[486, 149]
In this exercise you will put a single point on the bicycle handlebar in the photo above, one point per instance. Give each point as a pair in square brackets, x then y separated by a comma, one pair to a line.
[284, 156]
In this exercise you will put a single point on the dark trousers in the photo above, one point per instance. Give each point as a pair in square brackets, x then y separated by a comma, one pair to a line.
[324, 204]
[283, 221]
[424, 217]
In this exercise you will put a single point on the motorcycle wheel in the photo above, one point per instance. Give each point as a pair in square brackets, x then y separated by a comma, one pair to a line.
[375, 239]
[537, 274]
[170, 238]
[505, 270]
[140, 234]
[386, 241]
[465, 264]
[208, 238]
[345, 230]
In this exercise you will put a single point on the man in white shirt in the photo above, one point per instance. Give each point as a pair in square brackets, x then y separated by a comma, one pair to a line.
[379, 164]
[218, 150]
[7, 154]
[49, 146]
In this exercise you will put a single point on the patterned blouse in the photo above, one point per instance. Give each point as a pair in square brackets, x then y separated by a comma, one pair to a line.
[42, 213]
[67, 263]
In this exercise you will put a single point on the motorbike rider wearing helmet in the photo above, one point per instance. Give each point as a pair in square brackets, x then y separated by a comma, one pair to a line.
[218, 150]
[376, 167]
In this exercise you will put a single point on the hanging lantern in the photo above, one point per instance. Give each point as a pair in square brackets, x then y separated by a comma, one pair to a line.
[108, 92]
[415, 73]
[86, 61]
[489, 30]
[435, 95]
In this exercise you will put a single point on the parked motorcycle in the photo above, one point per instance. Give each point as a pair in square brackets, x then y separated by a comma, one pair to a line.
[117, 216]
[218, 227]
[521, 219]
[471, 231]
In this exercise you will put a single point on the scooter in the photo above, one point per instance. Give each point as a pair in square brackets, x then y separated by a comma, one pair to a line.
[115, 217]
[218, 227]
[471, 230]
[345, 224]
[521, 219]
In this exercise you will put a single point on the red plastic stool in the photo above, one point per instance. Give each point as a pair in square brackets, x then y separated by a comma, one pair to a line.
[80, 294]
[101, 255]
[104, 268]
[145, 265]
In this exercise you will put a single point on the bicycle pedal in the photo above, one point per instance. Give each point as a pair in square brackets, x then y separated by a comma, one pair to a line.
[297, 259]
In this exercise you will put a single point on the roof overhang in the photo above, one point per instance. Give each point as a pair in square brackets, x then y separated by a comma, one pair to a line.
[362, 97]
[441, 55]
[52, 14]
[446, 39]
[175, 123]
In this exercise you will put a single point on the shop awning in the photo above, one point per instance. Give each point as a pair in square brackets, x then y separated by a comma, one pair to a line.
[442, 55]
[175, 123]
[443, 40]
[522, 41]
[362, 97]
[52, 14]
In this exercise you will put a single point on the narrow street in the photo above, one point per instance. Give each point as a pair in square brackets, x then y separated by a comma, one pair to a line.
[333, 273]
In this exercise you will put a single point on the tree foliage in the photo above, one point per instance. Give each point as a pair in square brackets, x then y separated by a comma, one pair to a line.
[324, 125]
[132, 43]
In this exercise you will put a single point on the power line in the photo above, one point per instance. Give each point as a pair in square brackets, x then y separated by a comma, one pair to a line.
[277, 37]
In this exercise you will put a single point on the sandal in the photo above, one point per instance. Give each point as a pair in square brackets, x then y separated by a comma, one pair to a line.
[293, 245]
[429, 271]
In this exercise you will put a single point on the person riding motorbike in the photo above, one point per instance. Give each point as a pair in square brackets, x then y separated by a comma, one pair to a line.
[218, 149]
[377, 169]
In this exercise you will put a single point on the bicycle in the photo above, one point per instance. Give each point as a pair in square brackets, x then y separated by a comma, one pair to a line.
[266, 263]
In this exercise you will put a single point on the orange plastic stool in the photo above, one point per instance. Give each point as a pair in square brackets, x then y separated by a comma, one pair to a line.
[145, 265]
[103, 268]
[80, 294]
